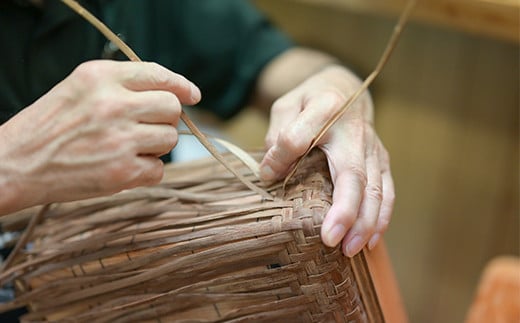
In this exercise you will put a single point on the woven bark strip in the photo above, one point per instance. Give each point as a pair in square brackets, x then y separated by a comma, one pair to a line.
[199, 247]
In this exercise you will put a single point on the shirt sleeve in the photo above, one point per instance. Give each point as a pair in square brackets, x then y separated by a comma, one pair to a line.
[221, 45]
[231, 42]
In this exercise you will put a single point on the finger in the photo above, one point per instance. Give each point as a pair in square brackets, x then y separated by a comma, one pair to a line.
[154, 140]
[348, 172]
[132, 172]
[283, 112]
[155, 107]
[387, 204]
[148, 170]
[294, 140]
[365, 224]
[145, 76]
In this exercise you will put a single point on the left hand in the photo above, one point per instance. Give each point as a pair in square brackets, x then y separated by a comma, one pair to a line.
[363, 195]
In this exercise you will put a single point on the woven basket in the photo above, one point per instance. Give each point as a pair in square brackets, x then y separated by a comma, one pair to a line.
[199, 247]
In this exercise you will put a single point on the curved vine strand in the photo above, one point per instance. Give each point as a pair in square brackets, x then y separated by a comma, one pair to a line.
[110, 35]
[366, 83]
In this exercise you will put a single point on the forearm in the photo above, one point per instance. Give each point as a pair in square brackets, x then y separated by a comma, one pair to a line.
[286, 71]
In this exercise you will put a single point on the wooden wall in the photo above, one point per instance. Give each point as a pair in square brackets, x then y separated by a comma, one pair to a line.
[447, 110]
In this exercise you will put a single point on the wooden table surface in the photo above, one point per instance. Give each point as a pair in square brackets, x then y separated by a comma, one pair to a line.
[496, 18]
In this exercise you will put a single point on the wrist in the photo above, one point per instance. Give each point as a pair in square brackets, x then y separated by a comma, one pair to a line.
[287, 71]
[348, 84]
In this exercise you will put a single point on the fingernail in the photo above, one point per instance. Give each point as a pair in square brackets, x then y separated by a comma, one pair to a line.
[195, 93]
[267, 173]
[354, 246]
[373, 241]
[334, 235]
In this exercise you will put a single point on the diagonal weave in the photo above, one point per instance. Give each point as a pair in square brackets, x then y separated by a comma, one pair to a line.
[199, 247]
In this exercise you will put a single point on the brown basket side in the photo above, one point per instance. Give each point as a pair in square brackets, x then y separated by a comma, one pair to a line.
[200, 248]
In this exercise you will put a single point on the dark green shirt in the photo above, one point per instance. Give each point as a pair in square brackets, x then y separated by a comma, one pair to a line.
[221, 45]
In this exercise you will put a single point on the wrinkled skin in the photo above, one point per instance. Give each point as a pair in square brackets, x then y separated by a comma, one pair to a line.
[363, 195]
[99, 131]
[102, 129]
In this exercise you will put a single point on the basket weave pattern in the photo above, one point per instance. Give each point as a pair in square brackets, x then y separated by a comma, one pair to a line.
[199, 247]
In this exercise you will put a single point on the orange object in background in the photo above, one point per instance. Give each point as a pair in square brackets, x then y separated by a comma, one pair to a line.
[497, 298]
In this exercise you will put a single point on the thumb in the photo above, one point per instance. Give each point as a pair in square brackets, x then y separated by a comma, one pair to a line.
[297, 136]
[278, 160]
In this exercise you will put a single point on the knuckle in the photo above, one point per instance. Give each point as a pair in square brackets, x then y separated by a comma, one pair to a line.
[161, 76]
[157, 67]
[347, 214]
[292, 141]
[364, 228]
[119, 174]
[169, 105]
[375, 192]
[349, 217]
[384, 155]
[90, 71]
[172, 99]
[367, 226]
[389, 197]
[112, 141]
[334, 96]
[383, 224]
[173, 103]
[359, 174]
[171, 138]
[109, 107]
[153, 174]
[126, 175]
[270, 140]
[103, 103]
[280, 104]
[151, 177]
[154, 65]
[358, 125]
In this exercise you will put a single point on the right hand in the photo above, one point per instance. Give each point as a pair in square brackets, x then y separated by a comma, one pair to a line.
[99, 131]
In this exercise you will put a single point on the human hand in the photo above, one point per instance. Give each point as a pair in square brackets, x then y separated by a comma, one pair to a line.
[99, 131]
[363, 195]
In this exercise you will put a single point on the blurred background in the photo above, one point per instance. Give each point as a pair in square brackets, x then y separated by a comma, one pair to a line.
[448, 112]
